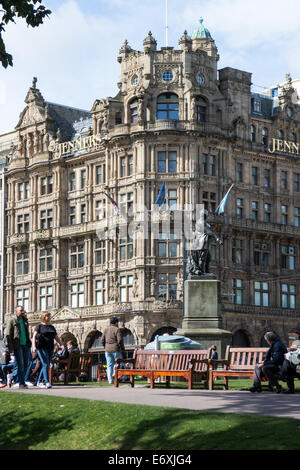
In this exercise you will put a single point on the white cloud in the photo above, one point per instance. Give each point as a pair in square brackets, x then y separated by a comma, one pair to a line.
[74, 52]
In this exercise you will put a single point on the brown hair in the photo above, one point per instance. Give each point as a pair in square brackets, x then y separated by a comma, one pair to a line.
[45, 314]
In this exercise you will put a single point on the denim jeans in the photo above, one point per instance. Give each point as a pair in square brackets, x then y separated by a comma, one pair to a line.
[45, 356]
[22, 357]
[110, 361]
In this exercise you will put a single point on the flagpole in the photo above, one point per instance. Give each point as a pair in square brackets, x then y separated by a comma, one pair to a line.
[167, 27]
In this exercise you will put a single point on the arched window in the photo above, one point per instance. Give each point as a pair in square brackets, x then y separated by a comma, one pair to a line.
[201, 109]
[240, 339]
[128, 337]
[252, 133]
[264, 136]
[280, 134]
[170, 330]
[95, 340]
[133, 111]
[167, 106]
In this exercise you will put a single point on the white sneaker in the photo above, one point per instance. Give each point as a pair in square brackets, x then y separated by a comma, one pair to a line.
[48, 385]
[29, 384]
[15, 386]
[40, 385]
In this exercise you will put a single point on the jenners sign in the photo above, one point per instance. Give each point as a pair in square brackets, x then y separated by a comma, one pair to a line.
[81, 143]
[279, 145]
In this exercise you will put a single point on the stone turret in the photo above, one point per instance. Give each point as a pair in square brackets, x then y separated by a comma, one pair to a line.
[202, 40]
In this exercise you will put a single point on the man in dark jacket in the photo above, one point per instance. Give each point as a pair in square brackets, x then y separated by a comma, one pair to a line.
[18, 342]
[112, 341]
[270, 368]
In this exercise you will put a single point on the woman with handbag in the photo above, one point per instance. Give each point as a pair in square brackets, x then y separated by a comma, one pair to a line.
[43, 343]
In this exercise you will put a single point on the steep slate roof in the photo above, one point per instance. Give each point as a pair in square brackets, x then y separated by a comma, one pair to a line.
[66, 118]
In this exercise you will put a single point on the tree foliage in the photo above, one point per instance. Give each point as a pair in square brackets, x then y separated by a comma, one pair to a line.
[31, 10]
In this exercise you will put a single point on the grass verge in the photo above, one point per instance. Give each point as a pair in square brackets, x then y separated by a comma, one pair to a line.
[30, 422]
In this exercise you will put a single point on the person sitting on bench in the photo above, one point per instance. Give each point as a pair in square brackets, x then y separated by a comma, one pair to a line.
[270, 368]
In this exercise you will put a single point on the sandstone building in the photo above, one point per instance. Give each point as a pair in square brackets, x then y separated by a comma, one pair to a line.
[176, 119]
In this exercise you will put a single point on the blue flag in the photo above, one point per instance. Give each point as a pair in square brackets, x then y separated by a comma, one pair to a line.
[221, 208]
[115, 205]
[161, 198]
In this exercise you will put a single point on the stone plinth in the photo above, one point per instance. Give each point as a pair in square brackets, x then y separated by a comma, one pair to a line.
[202, 321]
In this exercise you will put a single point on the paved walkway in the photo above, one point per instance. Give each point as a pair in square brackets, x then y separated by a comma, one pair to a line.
[266, 403]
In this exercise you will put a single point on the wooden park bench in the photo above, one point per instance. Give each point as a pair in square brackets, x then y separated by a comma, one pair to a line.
[76, 364]
[238, 362]
[151, 364]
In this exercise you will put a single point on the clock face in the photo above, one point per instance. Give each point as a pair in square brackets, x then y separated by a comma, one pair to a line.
[289, 111]
[200, 78]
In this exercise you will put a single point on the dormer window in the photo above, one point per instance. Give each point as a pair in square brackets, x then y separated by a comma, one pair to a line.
[256, 105]
[167, 106]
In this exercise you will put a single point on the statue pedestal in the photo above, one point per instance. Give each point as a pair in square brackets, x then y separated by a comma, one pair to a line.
[202, 321]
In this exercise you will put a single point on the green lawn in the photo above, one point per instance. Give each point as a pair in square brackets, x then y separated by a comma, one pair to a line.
[47, 422]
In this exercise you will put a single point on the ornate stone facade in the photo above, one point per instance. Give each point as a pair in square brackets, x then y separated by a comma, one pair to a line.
[177, 119]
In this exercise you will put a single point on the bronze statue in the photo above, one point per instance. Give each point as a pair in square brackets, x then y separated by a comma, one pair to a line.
[199, 256]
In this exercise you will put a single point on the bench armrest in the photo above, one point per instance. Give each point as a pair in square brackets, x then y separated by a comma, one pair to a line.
[223, 362]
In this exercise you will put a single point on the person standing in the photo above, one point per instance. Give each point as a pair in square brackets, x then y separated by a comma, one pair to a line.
[112, 341]
[18, 342]
[271, 366]
[43, 343]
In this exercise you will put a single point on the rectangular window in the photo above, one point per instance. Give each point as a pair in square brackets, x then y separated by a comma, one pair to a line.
[267, 178]
[126, 248]
[297, 216]
[261, 294]
[72, 181]
[99, 174]
[237, 251]
[209, 201]
[100, 210]
[77, 295]
[46, 297]
[23, 223]
[239, 172]
[167, 287]
[296, 182]
[267, 212]
[130, 165]
[46, 259]
[23, 298]
[101, 292]
[22, 263]
[284, 180]
[77, 256]
[23, 191]
[237, 291]
[82, 179]
[239, 208]
[254, 210]
[72, 215]
[83, 213]
[100, 252]
[284, 214]
[46, 185]
[167, 162]
[46, 220]
[288, 296]
[123, 166]
[288, 256]
[126, 283]
[172, 199]
[254, 176]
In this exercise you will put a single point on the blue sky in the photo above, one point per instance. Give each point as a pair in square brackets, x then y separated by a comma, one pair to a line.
[74, 53]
